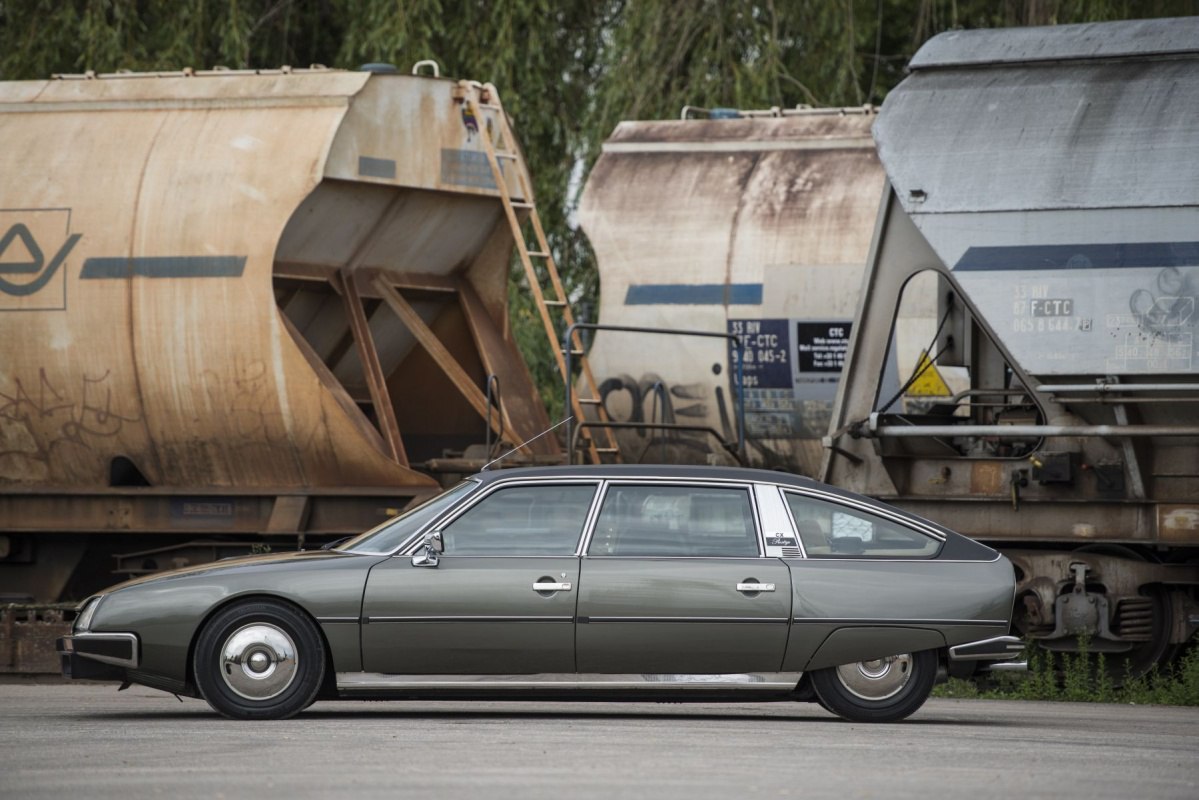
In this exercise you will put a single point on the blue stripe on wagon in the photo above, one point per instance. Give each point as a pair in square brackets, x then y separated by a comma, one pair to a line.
[694, 294]
[164, 267]
[1134, 255]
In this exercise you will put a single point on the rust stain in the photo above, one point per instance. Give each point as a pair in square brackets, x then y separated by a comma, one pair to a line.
[1178, 523]
[986, 477]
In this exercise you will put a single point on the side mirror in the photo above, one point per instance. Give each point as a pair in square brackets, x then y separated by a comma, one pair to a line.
[431, 547]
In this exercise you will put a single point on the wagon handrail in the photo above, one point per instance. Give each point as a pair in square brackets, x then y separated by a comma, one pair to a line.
[666, 426]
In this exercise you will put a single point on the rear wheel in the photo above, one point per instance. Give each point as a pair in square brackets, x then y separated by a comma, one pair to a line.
[259, 660]
[882, 690]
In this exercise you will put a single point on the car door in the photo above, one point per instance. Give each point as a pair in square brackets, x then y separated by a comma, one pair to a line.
[868, 576]
[501, 598]
[674, 582]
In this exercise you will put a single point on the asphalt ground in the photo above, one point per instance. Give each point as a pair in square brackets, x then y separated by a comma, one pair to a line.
[88, 741]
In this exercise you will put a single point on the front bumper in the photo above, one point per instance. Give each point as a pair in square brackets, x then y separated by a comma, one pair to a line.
[995, 654]
[98, 656]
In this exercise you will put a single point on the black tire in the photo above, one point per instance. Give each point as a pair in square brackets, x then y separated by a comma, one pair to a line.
[259, 660]
[885, 690]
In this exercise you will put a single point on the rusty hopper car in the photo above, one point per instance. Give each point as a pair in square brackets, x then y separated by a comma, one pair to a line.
[754, 223]
[1049, 179]
[240, 304]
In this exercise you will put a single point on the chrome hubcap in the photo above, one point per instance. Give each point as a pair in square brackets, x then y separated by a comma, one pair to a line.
[877, 679]
[258, 661]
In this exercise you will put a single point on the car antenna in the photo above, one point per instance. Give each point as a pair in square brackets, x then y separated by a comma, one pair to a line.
[529, 441]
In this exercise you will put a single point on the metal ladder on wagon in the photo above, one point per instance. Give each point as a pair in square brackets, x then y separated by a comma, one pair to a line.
[502, 146]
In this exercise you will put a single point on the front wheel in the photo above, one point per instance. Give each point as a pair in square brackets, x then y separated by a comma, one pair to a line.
[882, 690]
[259, 660]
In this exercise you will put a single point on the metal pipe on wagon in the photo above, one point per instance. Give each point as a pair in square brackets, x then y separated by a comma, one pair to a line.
[1023, 431]
[1093, 388]
[645, 426]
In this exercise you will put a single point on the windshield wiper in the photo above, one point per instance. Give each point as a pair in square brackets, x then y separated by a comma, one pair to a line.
[333, 544]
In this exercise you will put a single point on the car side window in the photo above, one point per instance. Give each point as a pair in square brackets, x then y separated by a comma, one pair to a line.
[830, 530]
[521, 521]
[696, 521]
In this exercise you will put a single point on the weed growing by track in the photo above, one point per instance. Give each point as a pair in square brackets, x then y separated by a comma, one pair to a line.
[1078, 678]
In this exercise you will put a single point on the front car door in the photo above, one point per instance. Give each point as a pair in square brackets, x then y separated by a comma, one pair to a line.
[501, 599]
[674, 582]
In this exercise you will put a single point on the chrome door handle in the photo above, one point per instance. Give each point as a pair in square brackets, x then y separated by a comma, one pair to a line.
[755, 587]
[551, 587]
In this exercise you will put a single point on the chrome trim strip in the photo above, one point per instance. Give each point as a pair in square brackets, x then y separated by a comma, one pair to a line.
[782, 499]
[803, 550]
[895, 559]
[755, 559]
[562, 557]
[752, 681]
[883, 621]
[585, 620]
[997, 648]
[756, 516]
[1006, 666]
[470, 619]
[129, 663]
[592, 519]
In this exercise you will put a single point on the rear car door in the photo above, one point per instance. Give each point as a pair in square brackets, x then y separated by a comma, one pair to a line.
[674, 582]
[867, 571]
[501, 599]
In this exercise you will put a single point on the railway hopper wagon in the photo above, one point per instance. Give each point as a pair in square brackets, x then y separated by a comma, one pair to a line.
[755, 224]
[1006, 346]
[1048, 178]
[243, 307]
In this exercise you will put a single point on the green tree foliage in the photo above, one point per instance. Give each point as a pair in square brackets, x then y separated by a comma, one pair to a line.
[568, 70]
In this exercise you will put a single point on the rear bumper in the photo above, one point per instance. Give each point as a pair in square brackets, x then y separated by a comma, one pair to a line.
[998, 653]
[98, 656]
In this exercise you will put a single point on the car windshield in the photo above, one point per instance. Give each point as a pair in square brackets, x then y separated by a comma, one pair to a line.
[391, 534]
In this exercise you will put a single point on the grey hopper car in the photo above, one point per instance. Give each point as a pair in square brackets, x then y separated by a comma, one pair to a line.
[1033, 271]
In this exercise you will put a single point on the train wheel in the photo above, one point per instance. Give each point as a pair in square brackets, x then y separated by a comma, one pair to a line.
[1156, 651]
[1145, 656]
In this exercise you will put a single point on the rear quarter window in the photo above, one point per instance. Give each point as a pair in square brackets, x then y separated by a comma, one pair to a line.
[831, 530]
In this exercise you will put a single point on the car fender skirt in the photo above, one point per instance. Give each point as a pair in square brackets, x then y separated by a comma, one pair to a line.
[849, 645]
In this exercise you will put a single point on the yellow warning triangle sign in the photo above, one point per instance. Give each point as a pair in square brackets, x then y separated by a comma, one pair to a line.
[928, 382]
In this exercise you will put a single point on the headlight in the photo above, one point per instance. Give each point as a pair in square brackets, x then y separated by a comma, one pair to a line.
[84, 621]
